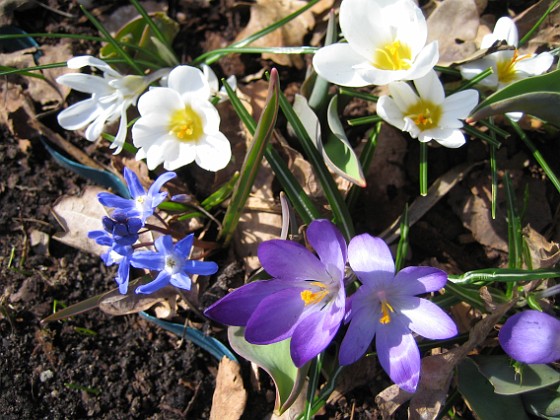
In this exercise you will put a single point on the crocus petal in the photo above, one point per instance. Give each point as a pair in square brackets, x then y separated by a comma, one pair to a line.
[289, 260]
[275, 318]
[160, 281]
[190, 80]
[418, 280]
[424, 62]
[336, 63]
[187, 154]
[328, 242]
[78, 115]
[506, 30]
[390, 112]
[214, 153]
[450, 138]
[313, 334]
[460, 104]
[403, 95]
[531, 337]
[371, 259]
[430, 88]
[160, 101]
[86, 83]
[425, 318]
[358, 336]
[237, 307]
[88, 60]
[535, 65]
[398, 354]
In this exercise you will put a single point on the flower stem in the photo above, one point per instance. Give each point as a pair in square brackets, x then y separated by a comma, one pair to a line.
[423, 169]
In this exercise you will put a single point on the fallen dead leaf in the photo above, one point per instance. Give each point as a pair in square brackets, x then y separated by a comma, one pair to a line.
[266, 12]
[115, 303]
[544, 254]
[230, 397]
[360, 373]
[454, 24]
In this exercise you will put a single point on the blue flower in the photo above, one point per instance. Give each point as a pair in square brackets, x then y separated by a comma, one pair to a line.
[116, 254]
[142, 203]
[123, 228]
[172, 263]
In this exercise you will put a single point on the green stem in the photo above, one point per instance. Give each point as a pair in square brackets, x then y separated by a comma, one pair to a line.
[423, 169]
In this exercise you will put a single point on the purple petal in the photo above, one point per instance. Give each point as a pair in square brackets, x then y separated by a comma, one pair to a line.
[371, 259]
[148, 259]
[160, 281]
[328, 242]
[398, 354]
[275, 317]
[204, 268]
[134, 186]
[315, 332]
[358, 336]
[531, 337]
[426, 318]
[291, 261]
[419, 280]
[183, 247]
[237, 307]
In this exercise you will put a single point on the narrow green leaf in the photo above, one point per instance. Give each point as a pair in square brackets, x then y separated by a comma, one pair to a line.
[515, 235]
[500, 372]
[253, 158]
[221, 194]
[402, 248]
[275, 359]
[538, 96]
[490, 275]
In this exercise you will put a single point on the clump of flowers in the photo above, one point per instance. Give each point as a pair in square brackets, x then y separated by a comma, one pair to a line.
[304, 301]
[111, 96]
[508, 66]
[386, 41]
[427, 114]
[386, 307]
[531, 337]
[179, 125]
[121, 234]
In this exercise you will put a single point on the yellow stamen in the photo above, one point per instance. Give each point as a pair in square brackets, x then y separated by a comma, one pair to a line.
[506, 68]
[393, 56]
[310, 297]
[185, 124]
[424, 114]
[385, 309]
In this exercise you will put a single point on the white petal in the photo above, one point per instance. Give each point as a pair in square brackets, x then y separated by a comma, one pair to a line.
[472, 69]
[335, 63]
[411, 25]
[161, 101]
[515, 116]
[186, 154]
[424, 62]
[211, 77]
[451, 138]
[403, 95]
[506, 30]
[120, 138]
[460, 104]
[79, 115]
[86, 83]
[390, 112]
[88, 60]
[208, 113]
[214, 153]
[146, 129]
[155, 154]
[188, 80]
[363, 27]
[430, 88]
[535, 65]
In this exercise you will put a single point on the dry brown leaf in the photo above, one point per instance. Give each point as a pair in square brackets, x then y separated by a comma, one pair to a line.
[454, 24]
[230, 397]
[266, 12]
[547, 34]
[115, 303]
[544, 254]
[78, 216]
[360, 373]
[390, 399]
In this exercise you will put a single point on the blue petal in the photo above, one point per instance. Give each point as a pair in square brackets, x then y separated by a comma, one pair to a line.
[204, 268]
[114, 201]
[135, 187]
[371, 260]
[160, 281]
[164, 245]
[183, 247]
[123, 274]
[156, 187]
[181, 280]
[148, 259]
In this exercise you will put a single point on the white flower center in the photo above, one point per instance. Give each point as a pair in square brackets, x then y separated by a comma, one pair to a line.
[186, 125]
[506, 70]
[393, 56]
[172, 264]
[424, 114]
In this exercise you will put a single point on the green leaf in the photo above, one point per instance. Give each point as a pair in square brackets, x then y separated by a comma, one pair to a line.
[538, 96]
[275, 359]
[138, 32]
[253, 158]
[501, 374]
[544, 402]
[479, 394]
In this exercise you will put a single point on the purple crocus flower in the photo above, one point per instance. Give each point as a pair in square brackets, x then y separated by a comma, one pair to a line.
[117, 254]
[386, 307]
[305, 300]
[531, 337]
[172, 263]
[142, 203]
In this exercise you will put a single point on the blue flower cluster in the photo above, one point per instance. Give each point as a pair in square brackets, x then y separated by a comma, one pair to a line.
[121, 232]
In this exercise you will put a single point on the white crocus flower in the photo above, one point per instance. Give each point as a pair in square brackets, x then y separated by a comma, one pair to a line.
[214, 84]
[508, 66]
[386, 42]
[179, 125]
[111, 95]
[428, 114]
